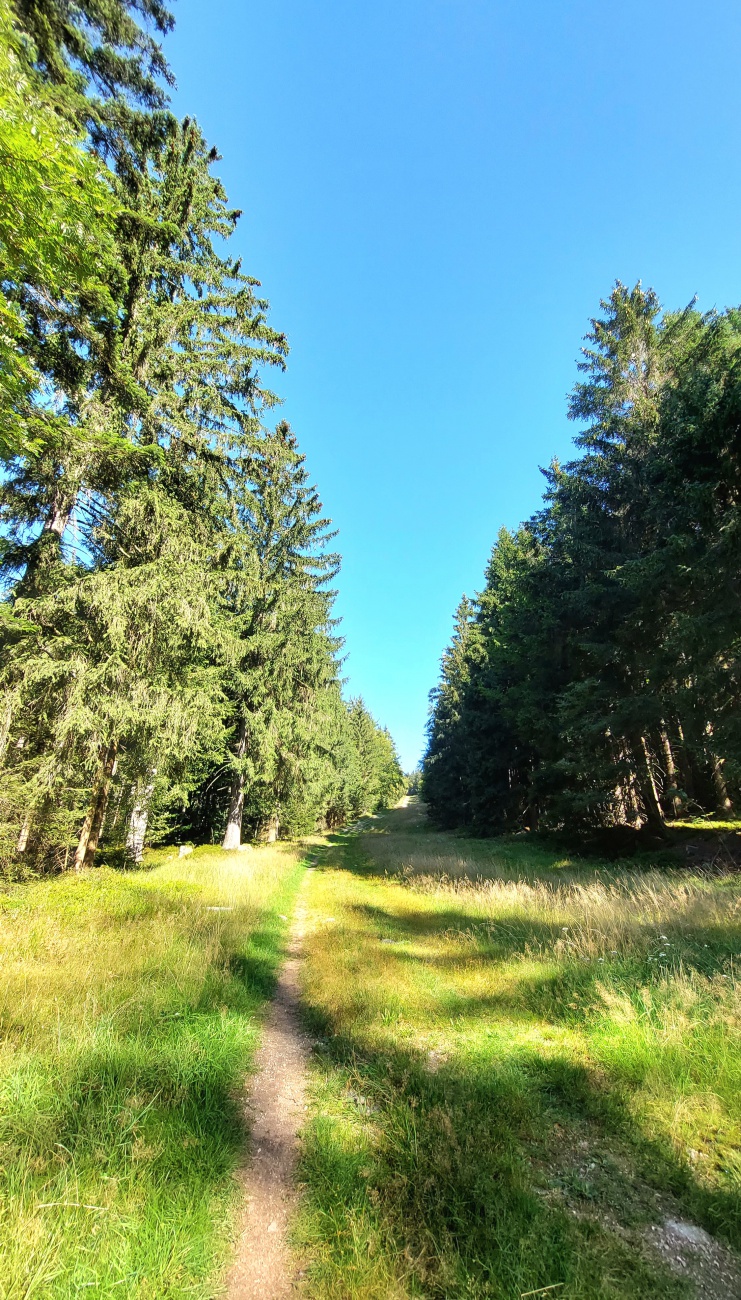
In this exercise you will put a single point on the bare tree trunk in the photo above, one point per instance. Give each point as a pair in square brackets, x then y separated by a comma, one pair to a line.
[57, 519]
[271, 829]
[25, 831]
[648, 759]
[59, 515]
[620, 800]
[635, 805]
[233, 833]
[646, 784]
[101, 808]
[7, 719]
[723, 802]
[671, 770]
[626, 791]
[722, 799]
[138, 822]
[93, 823]
[685, 764]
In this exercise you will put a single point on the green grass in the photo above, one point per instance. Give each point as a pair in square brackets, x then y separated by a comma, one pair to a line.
[129, 1011]
[525, 1061]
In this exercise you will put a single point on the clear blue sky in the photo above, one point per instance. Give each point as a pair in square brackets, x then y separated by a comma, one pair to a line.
[436, 194]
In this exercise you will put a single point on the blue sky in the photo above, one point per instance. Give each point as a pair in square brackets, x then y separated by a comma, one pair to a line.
[436, 195]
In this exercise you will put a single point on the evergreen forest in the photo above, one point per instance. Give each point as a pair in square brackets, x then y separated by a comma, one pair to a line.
[595, 681]
[170, 664]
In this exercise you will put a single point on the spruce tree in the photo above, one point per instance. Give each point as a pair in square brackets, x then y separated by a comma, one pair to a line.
[595, 680]
[285, 650]
[177, 376]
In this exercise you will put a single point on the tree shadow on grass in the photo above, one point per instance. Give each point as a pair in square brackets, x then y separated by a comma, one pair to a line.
[707, 949]
[455, 1170]
[504, 1170]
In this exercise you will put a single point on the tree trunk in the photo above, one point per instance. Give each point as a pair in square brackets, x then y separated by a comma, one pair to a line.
[723, 802]
[59, 515]
[722, 799]
[55, 524]
[93, 823]
[25, 831]
[271, 829]
[138, 822]
[625, 791]
[5, 725]
[620, 803]
[101, 807]
[646, 785]
[233, 833]
[655, 798]
[671, 770]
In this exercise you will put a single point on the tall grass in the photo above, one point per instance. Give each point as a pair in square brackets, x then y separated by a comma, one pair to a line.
[527, 1062]
[129, 1010]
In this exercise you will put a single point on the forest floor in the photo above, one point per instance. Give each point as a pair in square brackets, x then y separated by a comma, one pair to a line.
[526, 1078]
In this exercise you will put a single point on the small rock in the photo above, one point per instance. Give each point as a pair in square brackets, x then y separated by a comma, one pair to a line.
[688, 1232]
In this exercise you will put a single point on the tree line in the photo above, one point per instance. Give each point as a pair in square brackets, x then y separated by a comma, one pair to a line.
[595, 681]
[168, 655]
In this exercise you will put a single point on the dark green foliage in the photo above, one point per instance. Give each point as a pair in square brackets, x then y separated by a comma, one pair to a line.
[100, 43]
[595, 681]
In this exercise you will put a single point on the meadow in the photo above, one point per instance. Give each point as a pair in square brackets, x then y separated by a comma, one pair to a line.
[527, 1070]
[129, 1006]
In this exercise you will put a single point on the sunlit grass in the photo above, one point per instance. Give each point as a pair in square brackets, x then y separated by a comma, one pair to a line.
[499, 1021]
[129, 1007]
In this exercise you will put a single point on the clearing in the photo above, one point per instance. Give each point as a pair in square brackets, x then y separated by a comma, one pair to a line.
[527, 1075]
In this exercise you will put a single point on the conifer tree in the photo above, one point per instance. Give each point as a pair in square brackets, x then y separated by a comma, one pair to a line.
[281, 607]
[177, 375]
[56, 219]
[597, 683]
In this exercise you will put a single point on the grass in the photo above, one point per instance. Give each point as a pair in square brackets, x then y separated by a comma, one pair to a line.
[129, 1009]
[526, 1062]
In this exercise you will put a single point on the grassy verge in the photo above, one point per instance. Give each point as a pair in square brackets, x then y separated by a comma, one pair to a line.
[129, 1007]
[527, 1064]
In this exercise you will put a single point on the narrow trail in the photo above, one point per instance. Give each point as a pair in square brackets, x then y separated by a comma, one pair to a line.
[275, 1109]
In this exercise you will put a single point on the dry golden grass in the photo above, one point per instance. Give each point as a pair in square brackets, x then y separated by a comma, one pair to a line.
[487, 1009]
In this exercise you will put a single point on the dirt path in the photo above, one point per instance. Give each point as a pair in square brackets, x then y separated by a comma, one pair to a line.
[275, 1109]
